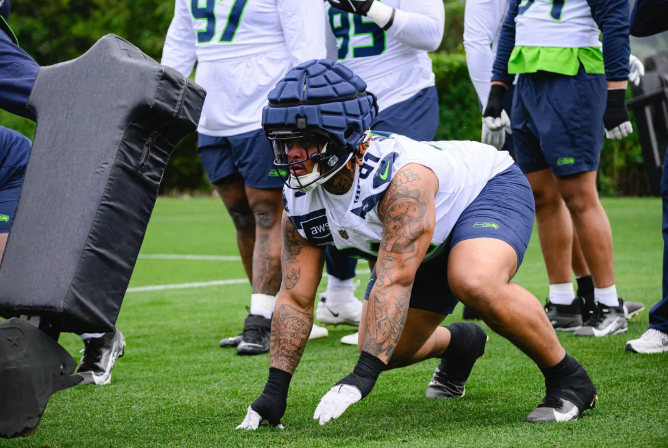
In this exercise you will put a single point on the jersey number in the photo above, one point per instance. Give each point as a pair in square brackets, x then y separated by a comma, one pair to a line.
[205, 10]
[555, 11]
[340, 23]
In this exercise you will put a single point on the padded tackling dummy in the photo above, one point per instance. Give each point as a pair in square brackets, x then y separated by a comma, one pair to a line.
[32, 368]
[107, 123]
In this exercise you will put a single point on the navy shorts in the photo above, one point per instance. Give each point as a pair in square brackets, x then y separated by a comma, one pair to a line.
[504, 210]
[415, 118]
[557, 122]
[248, 154]
[14, 154]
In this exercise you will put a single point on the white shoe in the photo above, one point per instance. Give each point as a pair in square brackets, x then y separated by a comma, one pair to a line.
[343, 312]
[318, 332]
[653, 341]
[351, 339]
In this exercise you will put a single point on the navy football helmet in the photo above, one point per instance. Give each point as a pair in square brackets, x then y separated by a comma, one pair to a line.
[325, 104]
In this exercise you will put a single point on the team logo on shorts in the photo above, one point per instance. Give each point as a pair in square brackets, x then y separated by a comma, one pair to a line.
[493, 225]
[565, 161]
[4, 218]
[343, 234]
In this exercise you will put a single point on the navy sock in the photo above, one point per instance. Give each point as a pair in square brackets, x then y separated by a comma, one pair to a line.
[585, 285]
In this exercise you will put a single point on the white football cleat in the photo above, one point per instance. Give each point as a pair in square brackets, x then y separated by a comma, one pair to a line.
[653, 341]
[343, 312]
[318, 332]
[351, 339]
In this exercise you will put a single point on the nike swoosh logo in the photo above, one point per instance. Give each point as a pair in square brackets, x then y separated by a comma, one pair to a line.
[387, 170]
[566, 416]
[333, 313]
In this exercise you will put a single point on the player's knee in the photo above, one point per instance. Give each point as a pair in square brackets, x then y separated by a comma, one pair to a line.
[576, 203]
[243, 218]
[544, 199]
[266, 216]
[472, 287]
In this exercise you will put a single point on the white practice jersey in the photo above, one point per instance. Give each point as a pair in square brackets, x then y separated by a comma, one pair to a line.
[556, 23]
[393, 63]
[242, 48]
[482, 26]
[350, 221]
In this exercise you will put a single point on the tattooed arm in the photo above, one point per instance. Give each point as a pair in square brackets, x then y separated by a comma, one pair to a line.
[408, 216]
[302, 263]
[291, 324]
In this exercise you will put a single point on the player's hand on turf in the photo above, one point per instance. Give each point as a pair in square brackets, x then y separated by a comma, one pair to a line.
[266, 408]
[636, 70]
[355, 6]
[616, 117]
[335, 402]
[494, 117]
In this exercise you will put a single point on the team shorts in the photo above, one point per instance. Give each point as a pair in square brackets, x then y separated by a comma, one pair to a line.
[504, 210]
[415, 118]
[557, 121]
[248, 154]
[12, 171]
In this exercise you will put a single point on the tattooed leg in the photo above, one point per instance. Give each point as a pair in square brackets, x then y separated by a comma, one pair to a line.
[267, 206]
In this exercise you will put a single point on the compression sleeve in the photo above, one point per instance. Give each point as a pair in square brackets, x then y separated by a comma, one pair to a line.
[506, 45]
[612, 18]
[18, 72]
[303, 25]
[649, 17]
[482, 22]
[179, 49]
[416, 23]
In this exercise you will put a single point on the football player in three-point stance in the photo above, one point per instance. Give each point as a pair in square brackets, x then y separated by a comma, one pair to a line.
[445, 220]
[242, 49]
[386, 44]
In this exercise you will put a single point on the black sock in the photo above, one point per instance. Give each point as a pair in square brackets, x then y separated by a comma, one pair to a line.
[467, 344]
[585, 285]
[563, 369]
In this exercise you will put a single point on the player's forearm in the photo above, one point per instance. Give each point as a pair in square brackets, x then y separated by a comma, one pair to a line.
[290, 329]
[386, 315]
[419, 25]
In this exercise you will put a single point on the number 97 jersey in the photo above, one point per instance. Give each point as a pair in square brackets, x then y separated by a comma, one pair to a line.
[393, 71]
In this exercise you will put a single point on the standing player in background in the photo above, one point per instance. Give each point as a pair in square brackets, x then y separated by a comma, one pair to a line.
[242, 49]
[482, 25]
[18, 72]
[386, 44]
[650, 17]
[562, 106]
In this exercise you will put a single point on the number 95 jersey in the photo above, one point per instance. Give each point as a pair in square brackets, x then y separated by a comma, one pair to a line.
[394, 71]
[350, 221]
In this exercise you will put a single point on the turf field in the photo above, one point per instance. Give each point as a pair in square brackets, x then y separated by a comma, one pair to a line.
[176, 387]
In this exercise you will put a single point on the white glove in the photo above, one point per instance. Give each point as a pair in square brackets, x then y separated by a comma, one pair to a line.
[620, 131]
[496, 124]
[636, 70]
[252, 421]
[335, 402]
[494, 138]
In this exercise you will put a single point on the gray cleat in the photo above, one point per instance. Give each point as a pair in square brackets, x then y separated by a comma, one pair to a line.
[443, 386]
[606, 321]
[632, 309]
[553, 409]
[100, 355]
[231, 341]
[565, 317]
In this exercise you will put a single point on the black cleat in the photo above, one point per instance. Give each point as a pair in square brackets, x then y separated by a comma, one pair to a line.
[256, 336]
[100, 355]
[231, 341]
[565, 317]
[606, 321]
[631, 309]
[450, 377]
[587, 304]
[566, 399]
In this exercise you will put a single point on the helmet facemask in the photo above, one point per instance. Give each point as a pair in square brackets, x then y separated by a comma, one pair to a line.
[318, 149]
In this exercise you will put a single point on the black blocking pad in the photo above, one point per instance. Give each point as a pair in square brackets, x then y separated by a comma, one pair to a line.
[107, 123]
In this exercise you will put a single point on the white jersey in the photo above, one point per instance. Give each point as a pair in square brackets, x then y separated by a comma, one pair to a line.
[482, 26]
[351, 222]
[242, 48]
[393, 63]
[556, 23]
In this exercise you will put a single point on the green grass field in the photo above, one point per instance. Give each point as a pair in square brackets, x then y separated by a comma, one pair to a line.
[175, 387]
